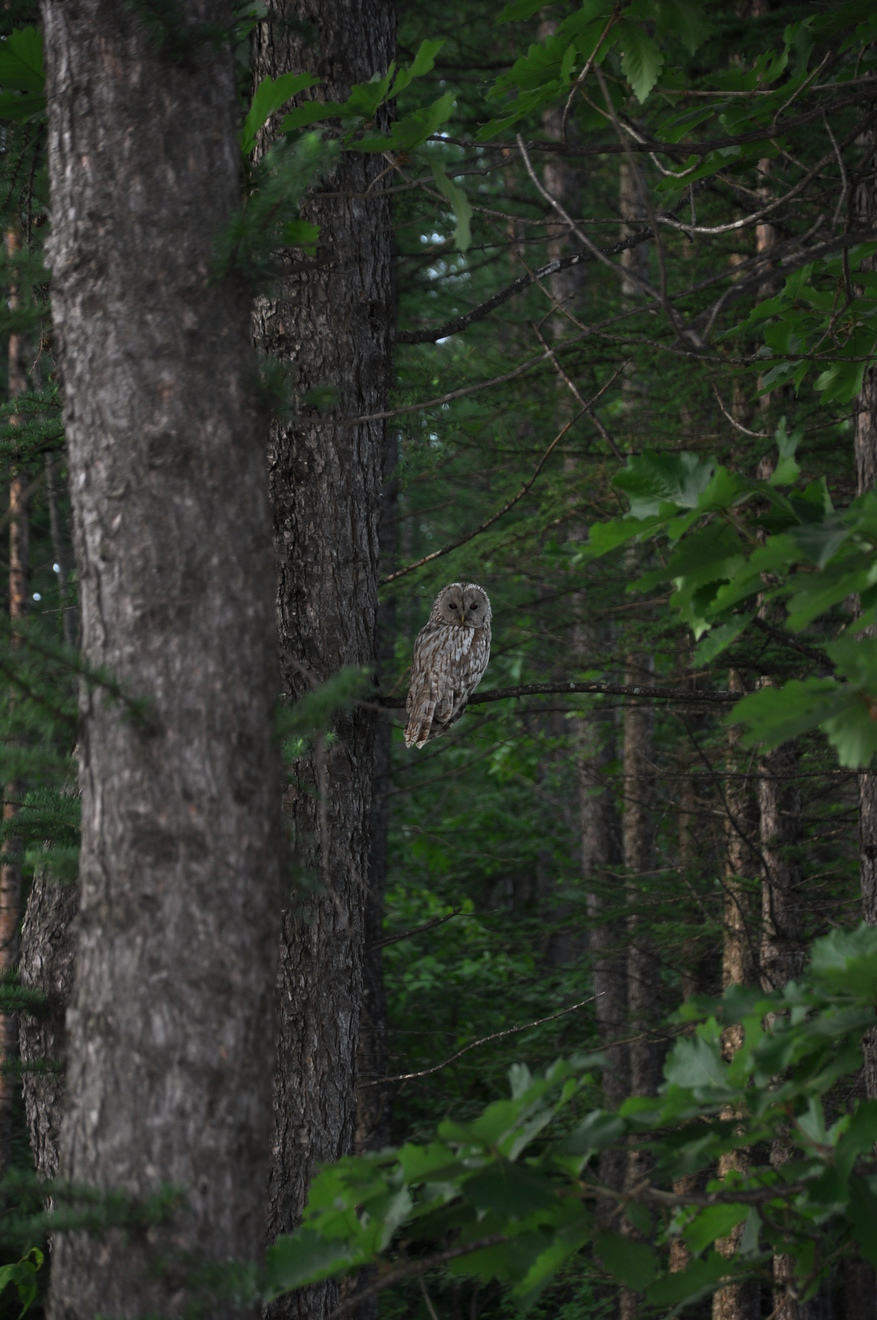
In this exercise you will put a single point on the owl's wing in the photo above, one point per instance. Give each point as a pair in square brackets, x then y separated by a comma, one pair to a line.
[423, 692]
[448, 666]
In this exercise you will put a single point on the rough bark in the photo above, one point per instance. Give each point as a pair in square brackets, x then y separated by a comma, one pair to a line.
[10, 863]
[47, 964]
[331, 317]
[861, 1289]
[169, 1051]
[373, 1094]
[601, 859]
[739, 1301]
[866, 479]
[70, 611]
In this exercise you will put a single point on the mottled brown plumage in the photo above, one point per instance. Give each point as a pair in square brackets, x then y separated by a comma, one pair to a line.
[450, 656]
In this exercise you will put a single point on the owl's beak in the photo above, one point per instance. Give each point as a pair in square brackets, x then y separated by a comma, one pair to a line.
[462, 617]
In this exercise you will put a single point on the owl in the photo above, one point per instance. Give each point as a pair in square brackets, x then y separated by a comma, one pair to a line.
[450, 657]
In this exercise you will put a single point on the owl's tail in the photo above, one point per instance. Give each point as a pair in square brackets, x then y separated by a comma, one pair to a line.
[419, 727]
[421, 704]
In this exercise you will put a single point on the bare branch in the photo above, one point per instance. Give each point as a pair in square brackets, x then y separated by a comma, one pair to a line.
[484, 1040]
[509, 504]
[687, 696]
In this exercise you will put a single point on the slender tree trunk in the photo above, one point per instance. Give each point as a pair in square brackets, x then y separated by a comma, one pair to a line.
[333, 319]
[170, 1026]
[865, 207]
[10, 860]
[601, 860]
[861, 1286]
[373, 1094]
[739, 1301]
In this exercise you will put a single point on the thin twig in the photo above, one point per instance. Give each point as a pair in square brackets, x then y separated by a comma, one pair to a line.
[416, 930]
[697, 696]
[484, 1040]
[756, 435]
[509, 504]
[415, 1269]
[589, 64]
[586, 407]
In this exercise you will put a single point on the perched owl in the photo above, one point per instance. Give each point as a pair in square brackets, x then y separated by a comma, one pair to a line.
[450, 657]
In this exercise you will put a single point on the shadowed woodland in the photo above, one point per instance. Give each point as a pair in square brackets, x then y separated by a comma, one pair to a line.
[573, 1011]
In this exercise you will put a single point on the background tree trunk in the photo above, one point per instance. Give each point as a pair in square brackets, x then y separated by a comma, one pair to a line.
[10, 865]
[333, 319]
[170, 1025]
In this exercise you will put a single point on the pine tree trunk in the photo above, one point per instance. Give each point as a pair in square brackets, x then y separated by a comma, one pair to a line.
[332, 318]
[601, 859]
[739, 1301]
[10, 858]
[866, 479]
[47, 965]
[169, 1051]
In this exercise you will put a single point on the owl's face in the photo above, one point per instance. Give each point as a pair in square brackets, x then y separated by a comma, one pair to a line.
[462, 605]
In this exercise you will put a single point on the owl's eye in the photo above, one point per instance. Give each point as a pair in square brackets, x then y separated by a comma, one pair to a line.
[451, 605]
[473, 606]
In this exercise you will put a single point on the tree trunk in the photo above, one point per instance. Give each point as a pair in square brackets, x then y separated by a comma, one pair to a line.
[333, 318]
[739, 1301]
[47, 965]
[601, 859]
[170, 1025]
[10, 865]
[373, 1094]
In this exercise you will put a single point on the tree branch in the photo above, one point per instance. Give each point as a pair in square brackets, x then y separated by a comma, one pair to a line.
[690, 696]
[484, 1040]
[509, 504]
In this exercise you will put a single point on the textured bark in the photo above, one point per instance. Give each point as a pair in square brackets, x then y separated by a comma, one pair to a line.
[169, 1050]
[47, 964]
[332, 318]
[866, 479]
[10, 865]
[779, 801]
[70, 610]
[739, 1301]
[643, 969]
[601, 858]
[373, 1094]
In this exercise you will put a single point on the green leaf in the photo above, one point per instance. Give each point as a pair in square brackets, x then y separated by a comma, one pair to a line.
[719, 639]
[716, 1221]
[459, 203]
[695, 1063]
[632, 1263]
[22, 1276]
[18, 107]
[511, 1190]
[641, 61]
[685, 19]
[268, 97]
[595, 1132]
[777, 714]
[312, 112]
[307, 1257]
[422, 63]
[21, 61]
[863, 1215]
[652, 480]
[303, 234]
[699, 1278]
[846, 960]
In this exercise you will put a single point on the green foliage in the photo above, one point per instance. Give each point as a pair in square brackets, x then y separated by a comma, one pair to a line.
[22, 1277]
[22, 77]
[736, 543]
[519, 1195]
